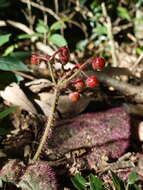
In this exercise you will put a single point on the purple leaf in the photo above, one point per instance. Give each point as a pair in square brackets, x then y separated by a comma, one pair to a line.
[103, 134]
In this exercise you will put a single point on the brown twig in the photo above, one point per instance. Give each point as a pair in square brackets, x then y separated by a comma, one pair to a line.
[42, 8]
[119, 28]
[56, 6]
[40, 46]
[30, 17]
[18, 25]
[137, 61]
[110, 34]
[24, 75]
[130, 90]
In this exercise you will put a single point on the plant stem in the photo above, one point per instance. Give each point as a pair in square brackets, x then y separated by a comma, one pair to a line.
[42, 8]
[51, 71]
[65, 81]
[108, 24]
[30, 17]
[49, 124]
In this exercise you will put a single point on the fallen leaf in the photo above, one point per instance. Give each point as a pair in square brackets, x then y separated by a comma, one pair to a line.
[66, 107]
[102, 134]
[14, 95]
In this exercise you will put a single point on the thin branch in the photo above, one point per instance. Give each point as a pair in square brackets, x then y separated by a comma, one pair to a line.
[137, 61]
[64, 80]
[56, 6]
[110, 34]
[3, 23]
[80, 26]
[119, 28]
[45, 17]
[136, 92]
[30, 17]
[42, 8]
[40, 46]
[18, 25]
[24, 75]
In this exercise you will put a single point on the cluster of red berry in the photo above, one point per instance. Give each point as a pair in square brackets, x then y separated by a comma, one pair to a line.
[79, 84]
[63, 53]
[90, 81]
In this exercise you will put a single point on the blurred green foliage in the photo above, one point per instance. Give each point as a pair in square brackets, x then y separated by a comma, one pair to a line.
[94, 183]
[51, 31]
[3, 114]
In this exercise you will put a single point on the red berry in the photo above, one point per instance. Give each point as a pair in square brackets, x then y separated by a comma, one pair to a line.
[64, 54]
[97, 63]
[35, 59]
[79, 84]
[92, 81]
[74, 96]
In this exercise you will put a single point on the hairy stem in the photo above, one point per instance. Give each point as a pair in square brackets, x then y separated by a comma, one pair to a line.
[51, 71]
[49, 125]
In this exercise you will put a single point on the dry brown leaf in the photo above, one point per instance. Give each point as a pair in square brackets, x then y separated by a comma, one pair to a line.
[38, 84]
[65, 106]
[14, 95]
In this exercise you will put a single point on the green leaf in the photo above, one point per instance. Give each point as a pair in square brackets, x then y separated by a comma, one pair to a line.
[10, 49]
[123, 12]
[19, 78]
[82, 2]
[134, 187]
[27, 36]
[101, 30]
[4, 3]
[139, 3]
[21, 55]
[57, 40]
[79, 182]
[95, 183]
[139, 50]
[133, 177]
[118, 183]
[59, 24]
[8, 63]
[7, 112]
[42, 27]
[56, 26]
[4, 131]
[82, 44]
[4, 39]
